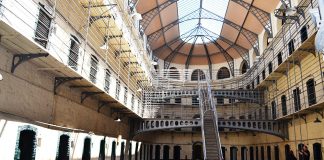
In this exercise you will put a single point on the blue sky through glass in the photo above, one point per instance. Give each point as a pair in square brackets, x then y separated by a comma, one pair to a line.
[186, 7]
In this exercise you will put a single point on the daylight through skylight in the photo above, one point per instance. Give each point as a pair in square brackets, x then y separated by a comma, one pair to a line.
[197, 23]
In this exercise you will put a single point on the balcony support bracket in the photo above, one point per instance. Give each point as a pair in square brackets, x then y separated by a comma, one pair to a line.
[85, 95]
[60, 80]
[23, 58]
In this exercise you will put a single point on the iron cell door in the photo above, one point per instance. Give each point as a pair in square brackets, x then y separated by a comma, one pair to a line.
[197, 151]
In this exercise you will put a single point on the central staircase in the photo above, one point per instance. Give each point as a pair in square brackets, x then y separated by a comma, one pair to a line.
[209, 127]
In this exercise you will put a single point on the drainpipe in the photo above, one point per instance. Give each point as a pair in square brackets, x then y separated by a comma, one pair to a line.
[321, 8]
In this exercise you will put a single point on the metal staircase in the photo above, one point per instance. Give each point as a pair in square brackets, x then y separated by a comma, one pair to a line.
[209, 121]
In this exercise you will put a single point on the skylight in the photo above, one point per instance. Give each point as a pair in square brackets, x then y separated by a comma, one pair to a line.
[197, 22]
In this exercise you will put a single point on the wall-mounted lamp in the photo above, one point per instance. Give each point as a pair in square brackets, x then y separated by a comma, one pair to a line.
[1, 77]
[105, 46]
[139, 90]
[117, 119]
[137, 16]
[154, 63]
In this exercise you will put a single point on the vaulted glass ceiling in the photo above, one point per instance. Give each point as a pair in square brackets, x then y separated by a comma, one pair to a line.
[195, 25]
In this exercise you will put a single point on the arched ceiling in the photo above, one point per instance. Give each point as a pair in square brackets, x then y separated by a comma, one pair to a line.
[204, 32]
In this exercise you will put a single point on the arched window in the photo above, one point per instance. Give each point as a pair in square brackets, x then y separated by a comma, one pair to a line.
[311, 92]
[244, 67]
[93, 68]
[74, 53]
[296, 95]
[174, 73]
[107, 80]
[223, 73]
[198, 74]
[63, 149]
[157, 152]
[86, 154]
[274, 110]
[317, 149]
[43, 26]
[284, 105]
[265, 40]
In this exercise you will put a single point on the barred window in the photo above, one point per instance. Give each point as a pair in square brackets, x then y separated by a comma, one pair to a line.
[274, 110]
[270, 67]
[93, 68]
[303, 34]
[258, 79]
[132, 102]
[43, 26]
[198, 74]
[296, 95]
[107, 80]
[244, 67]
[311, 92]
[223, 73]
[125, 95]
[74, 53]
[279, 58]
[117, 89]
[284, 105]
[291, 47]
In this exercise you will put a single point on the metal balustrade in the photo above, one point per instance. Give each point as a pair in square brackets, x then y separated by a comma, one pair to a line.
[271, 127]
[249, 95]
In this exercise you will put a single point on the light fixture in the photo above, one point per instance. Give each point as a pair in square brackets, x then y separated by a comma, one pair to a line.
[290, 11]
[117, 119]
[137, 16]
[105, 46]
[139, 90]
[154, 63]
[317, 120]
[1, 77]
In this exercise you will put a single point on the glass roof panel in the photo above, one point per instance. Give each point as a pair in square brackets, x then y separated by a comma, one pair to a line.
[188, 8]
